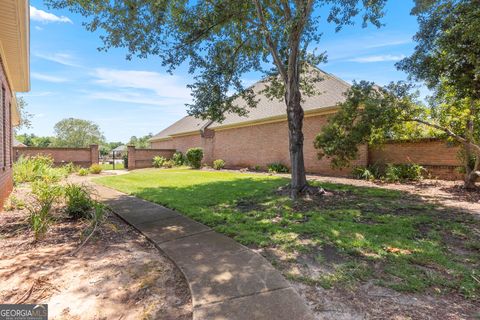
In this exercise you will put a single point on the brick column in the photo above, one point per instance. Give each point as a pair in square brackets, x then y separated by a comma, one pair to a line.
[131, 157]
[94, 155]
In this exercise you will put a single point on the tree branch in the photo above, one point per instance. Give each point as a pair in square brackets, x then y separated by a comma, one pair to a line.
[272, 46]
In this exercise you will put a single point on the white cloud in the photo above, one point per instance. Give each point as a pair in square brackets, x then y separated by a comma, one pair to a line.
[60, 57]
[134, 97]
[377, 58]
[388, 43]
[48, 78]
[38, 28]
[47, 17]
[163, 85]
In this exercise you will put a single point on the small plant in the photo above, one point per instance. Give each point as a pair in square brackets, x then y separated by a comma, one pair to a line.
[70, 168]
[370, 172]
[125, 161]
[257, 168]
[178, 158]
[29, 169]
[158, 161]
[96, 168]
[78, 201]
[13, 203]
[194, 157]
[45, 195]
[168, 164]
[277, 167]
[83, 172]
[218, 164]
[403, 172]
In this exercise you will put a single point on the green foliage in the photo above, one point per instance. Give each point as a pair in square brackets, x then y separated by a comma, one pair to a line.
[29, 169]
[218, 164]
[403, 172]
[106, 148]
[70, 168]
[277, 167]
[125, 160]
[14, 203]
[31, 140]
[45, 194]
[83, 172]
[178, 158]
[168, 163]
[95, 168]
[366, 173]
[140, 142]
[77, 133]
[79, 203]
[194, 157]
[25, 116]
[158, 161]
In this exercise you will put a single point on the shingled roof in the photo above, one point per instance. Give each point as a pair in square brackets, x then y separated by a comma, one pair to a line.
[330, 92]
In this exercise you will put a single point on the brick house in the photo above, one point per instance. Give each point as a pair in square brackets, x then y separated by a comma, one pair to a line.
[261, 137]
[14, 77]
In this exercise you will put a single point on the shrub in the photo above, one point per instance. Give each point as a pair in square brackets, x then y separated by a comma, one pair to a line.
[178, 158]
[168, 164]
[125, 161]
[218, 164]
[13, 203]
[45, 195]
[96, 168]
[194, 157]
[70, 168]
[403, 172]
[83, 172]
[78, 201]
[158, 161]
[370, 172]
[29, 169]
[257, 168]
[277, 168]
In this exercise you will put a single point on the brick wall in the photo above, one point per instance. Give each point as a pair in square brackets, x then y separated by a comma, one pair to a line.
[6, 183]
[438, 157]
[142, 158]
[79, 156]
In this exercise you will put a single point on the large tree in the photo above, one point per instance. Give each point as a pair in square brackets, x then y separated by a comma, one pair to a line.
[77, 133]
[224, 39]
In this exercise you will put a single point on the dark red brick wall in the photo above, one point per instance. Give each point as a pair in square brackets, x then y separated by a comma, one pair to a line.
[6, 183]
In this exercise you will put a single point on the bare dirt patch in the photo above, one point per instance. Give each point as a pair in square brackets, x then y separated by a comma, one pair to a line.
[118, 274]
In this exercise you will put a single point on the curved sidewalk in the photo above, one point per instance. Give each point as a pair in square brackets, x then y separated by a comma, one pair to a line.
[226, 279]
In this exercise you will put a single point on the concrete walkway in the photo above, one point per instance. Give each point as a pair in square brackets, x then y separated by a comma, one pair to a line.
[226, 279]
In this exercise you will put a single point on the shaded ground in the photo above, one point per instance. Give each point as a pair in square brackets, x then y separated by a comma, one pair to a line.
[116, 275]
[357, 252]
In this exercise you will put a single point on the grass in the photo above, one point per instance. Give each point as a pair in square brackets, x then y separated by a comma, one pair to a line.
[109, 166]
[352, 235]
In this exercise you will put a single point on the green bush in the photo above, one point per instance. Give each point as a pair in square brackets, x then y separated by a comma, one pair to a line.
[277, 167]
[83, 172]
[403, 172]
[45, 194]
[370, 172]
[29, 169]
[79, 203]
[125, 161]
[168, 164]
[194, 157]
[158, 161]
[96, 168]
[13, 203]
[218, 164]
[178, 158]
[70, 168]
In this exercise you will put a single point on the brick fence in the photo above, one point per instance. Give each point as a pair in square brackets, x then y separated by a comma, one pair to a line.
[84, 157]
[142, 158]
[438, 157]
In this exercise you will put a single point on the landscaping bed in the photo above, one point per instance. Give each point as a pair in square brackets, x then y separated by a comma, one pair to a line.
[355, 252]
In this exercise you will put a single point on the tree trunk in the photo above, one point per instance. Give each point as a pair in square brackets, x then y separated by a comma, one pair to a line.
[472, 174]
[295, 134]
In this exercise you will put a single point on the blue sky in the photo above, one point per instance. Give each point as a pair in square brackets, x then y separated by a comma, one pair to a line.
[71, 78]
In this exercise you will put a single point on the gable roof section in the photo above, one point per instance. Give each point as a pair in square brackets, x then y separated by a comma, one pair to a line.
[330, 92]
[186, 125]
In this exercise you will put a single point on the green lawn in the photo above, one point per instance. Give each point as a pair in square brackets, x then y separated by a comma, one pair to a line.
[109, 166]
[349, 236]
